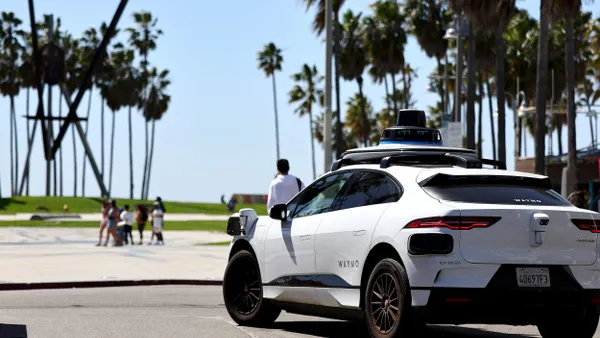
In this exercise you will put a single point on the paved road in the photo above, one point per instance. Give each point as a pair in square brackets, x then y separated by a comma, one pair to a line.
[173, 312]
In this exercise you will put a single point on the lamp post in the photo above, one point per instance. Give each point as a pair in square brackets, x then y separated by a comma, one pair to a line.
[457, 33]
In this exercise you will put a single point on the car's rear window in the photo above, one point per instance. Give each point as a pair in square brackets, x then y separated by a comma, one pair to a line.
[494, 190]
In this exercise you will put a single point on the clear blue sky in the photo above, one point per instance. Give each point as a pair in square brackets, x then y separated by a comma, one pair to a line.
[218, 135]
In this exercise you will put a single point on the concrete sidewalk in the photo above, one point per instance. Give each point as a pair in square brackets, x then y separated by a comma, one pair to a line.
[42, 255]
[98, 216]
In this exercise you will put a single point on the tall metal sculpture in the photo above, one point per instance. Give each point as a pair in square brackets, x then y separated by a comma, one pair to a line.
[52, 145]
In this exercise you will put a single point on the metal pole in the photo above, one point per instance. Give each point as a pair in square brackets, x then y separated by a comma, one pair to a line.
[328, 56]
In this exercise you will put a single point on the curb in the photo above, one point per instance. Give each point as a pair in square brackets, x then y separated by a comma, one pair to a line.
[106, 284]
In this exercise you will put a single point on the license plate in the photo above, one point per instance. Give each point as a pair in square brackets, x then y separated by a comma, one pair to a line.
[533, 277]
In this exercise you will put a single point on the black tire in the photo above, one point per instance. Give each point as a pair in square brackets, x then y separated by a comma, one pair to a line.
[583, 325]
[243, 293]
[387, 305]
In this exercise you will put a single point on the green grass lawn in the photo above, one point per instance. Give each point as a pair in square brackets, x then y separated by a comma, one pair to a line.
[172, 225]
[93, 205]
[226, 243]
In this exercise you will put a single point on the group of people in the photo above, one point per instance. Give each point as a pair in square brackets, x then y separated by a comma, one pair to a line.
[119, 222]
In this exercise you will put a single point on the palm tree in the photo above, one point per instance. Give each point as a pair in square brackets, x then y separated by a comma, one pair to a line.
[156, 106]
[319, 27]
[359, 110]
[130, 88]
[10, 83]
[269, 61]
[89, 43]
[307, 94]
[492, 15]
[428, 21]
[143, 38]
[73, 78]
[568, 9]
[26, 73]
[353, 61]
[541, 89]
[385, 39]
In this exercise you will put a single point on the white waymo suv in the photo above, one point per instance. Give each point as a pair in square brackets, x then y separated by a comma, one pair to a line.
[401, 236]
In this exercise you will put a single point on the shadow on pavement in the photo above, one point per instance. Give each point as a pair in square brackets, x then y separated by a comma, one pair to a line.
[13, 331]
[340, 329]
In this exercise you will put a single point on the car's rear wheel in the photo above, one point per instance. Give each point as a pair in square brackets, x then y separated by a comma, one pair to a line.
[386, 301]
[573, 326]
[243, 293]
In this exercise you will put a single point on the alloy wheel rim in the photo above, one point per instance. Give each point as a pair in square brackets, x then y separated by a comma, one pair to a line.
[244, 291]
[385, 303]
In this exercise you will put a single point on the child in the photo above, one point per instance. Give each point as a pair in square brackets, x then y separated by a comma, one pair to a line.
[127, 217]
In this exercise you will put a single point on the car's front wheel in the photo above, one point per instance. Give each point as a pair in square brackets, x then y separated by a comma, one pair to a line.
[572, 326]
[386, 301]
[243, 293]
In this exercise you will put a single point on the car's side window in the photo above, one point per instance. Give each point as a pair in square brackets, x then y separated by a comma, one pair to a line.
[318, 197]
[368, 189]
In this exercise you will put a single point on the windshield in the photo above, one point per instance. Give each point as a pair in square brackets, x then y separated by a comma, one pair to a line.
[494, 190]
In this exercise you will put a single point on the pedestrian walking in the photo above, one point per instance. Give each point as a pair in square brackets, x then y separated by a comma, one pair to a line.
[113, 216]
[104, 220]
[141, 217]
[157, 223]
[284, 186]
[127, 218]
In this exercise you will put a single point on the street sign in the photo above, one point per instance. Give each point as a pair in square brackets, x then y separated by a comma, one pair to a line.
[452, 135]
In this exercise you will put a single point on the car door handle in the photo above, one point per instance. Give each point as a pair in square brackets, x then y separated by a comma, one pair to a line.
[359, 233]
[305, 238]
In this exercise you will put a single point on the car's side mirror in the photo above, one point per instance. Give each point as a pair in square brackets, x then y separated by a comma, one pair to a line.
[278, 211]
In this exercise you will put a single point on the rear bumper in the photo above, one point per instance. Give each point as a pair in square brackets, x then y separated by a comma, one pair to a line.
[503, 302]
[513, 307]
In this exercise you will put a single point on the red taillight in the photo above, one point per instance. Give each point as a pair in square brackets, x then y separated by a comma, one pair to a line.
[453, 222]
[586, 225]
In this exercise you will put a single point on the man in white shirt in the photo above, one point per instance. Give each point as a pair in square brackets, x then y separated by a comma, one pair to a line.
[284, 186]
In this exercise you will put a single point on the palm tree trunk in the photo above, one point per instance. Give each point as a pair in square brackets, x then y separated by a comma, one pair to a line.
[102, 137]
[364, 122]
[500, 94]
[60, 153]
[87, 124]
[559, 126]
[571, 145]
[276, 116]
[145, 161]
[492, 129]
[471, 90]
[440, 87]
[150, 161]
[312, 145]
[13, 112]
[541, 89]
[112, 153]
[28, 137]
[405, 89]
[130, 154]
[338, 122]
[13, 183]
[480, 115]
[394, 101]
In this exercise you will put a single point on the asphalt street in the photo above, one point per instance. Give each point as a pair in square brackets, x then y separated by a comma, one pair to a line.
[179, 311]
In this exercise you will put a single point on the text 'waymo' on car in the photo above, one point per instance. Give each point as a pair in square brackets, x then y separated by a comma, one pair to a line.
[400, 236]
